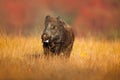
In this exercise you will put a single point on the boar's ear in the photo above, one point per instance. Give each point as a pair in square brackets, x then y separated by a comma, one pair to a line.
[60, 21]
[47, 17]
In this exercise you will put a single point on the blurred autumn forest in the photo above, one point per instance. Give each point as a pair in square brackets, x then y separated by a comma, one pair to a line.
[87, 17]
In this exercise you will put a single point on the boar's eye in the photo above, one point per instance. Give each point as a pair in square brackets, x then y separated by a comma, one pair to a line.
[53, 27]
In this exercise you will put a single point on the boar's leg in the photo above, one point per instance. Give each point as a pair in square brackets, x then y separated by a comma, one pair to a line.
[67, 50]
[57, 49]
[46, 51]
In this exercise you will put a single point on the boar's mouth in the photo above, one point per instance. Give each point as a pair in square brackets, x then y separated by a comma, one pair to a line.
[46, 41]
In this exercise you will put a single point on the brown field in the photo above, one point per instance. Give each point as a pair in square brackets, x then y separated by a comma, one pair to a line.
[21, 58]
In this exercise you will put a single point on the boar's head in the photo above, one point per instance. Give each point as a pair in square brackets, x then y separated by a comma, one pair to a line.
[53, 30]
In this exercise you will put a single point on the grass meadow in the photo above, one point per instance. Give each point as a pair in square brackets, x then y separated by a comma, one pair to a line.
[21, 58]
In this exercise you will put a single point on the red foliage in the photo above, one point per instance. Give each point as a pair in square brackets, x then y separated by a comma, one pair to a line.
[92, 13]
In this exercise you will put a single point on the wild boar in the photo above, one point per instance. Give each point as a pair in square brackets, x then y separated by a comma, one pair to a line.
[57, 37]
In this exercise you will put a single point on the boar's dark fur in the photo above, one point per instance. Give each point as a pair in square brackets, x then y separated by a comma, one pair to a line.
[57, 37]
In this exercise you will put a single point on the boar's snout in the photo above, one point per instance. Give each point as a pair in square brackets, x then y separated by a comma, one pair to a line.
[45, 38]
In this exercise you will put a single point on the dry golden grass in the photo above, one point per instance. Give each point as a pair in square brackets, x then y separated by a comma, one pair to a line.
[21, 58]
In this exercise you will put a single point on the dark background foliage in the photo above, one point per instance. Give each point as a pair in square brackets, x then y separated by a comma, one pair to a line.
[87, 17]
